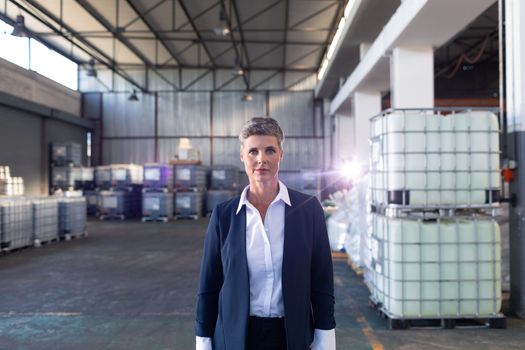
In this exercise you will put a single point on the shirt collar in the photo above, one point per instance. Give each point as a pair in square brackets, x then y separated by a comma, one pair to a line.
[282, 195]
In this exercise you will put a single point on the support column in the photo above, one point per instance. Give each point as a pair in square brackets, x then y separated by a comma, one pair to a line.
[366, 105]
[515, 106]
[412, 77]
[344, 142]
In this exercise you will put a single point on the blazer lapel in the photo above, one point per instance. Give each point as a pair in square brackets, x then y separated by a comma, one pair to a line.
[287, 246]
[239, 230]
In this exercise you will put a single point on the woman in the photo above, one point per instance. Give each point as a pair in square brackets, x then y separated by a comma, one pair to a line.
[266, 278]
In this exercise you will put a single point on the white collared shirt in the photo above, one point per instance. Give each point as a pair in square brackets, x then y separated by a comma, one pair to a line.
[264, 253]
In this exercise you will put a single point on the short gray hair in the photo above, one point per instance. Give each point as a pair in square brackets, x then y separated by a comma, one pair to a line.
[265, 126]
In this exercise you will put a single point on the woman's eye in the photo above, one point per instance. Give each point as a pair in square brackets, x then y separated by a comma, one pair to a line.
[270, 151]
[253, 152]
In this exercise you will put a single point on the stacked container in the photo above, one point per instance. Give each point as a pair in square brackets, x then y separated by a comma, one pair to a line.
[190, 189]
[66, 153]
[103, 177]
[71, 217]
[157, 195]
[45, 219]
[123, 198]
[434, 243]
[66, 172]
[92, 198]
[15, 223]
[310, 182]
[10, 186]
[224, 184]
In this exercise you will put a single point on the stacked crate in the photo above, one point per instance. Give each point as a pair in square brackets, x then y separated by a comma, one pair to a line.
[70, 178]
[224, 184]
[310, 182]
[92, 197]
[71, 216]
[15, 223]
[65, 153]
[123, 199]
[103, 177]
[10, 186]
[189, 189]
[434, 241]
[45, 219]
[66, 162]
[157, 195]
[102, 181]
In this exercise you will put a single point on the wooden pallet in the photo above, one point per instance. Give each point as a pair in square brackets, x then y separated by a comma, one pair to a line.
[5, 248]
[70, 236]
[395, 323]
[155, 219]
[38, 243]
[121, 217]
[188, 189]
[187, 217]
[156, 190]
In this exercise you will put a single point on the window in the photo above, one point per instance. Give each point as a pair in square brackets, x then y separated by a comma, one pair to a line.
[33, 55]
[13, 49]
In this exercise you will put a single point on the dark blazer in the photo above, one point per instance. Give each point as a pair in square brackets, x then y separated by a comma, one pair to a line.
[223, 303]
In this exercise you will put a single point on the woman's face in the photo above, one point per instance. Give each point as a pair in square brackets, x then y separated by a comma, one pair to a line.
[261, 155]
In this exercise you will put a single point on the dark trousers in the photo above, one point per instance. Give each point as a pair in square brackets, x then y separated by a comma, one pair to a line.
[266, 333]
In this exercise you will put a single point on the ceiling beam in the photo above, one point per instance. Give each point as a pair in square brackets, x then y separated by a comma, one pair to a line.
[142, 14]
[267, 52]
[269, 77]
[257, 14]
[298, 81]
[262, 68]
[97, 53]
[105, 34]
[203, 12]
[241, 33]
[298, 59]
[234, 43]
[315, 14]
[197, 33]
[116, 33]
[173, 54]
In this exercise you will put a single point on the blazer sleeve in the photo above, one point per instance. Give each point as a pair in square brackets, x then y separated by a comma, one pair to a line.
[211, 279]
[322, 275]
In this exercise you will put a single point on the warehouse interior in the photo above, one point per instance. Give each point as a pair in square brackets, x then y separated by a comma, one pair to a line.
[119, 133]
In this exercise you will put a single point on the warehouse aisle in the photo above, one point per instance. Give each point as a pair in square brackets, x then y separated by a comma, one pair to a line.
[131, 285]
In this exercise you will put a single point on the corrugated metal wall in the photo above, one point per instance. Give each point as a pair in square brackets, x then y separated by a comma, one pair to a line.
[230, 112]
[150, 130]
[184, 114]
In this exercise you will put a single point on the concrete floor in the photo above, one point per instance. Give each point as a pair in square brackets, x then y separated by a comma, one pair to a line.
[131, 285]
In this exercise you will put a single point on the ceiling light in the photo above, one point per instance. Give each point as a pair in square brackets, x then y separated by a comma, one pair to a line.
[238, 70]
[91, 71]
[133, 96]
[222, 29]
[19, 29]
[247, 97]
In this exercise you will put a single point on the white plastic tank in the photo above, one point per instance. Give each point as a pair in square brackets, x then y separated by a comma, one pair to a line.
[447, 267]
[439, 159]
